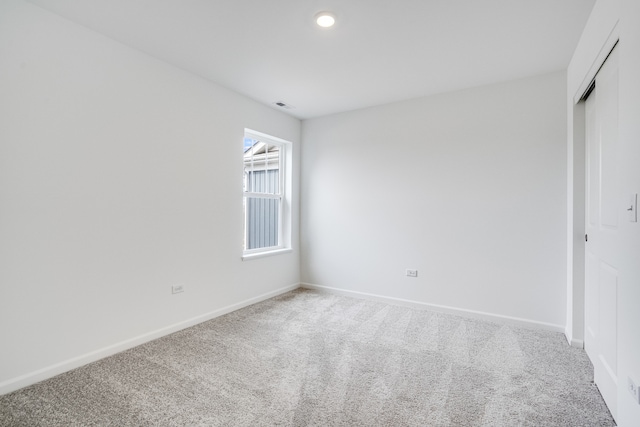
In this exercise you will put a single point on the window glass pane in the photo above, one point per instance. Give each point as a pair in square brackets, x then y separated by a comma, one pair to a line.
[249, 145]
[273, 167]
[261, 167]
[262, 222]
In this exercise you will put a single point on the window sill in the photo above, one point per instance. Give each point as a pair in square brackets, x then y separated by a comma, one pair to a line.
[255, 255]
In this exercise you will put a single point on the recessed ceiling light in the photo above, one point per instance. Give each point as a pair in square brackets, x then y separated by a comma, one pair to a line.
[325, 19]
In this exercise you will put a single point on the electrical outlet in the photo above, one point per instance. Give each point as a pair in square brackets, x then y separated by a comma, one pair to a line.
[633, 389]
[412, 273]
[176, 289]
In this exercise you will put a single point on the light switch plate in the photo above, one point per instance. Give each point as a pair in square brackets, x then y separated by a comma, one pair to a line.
[632, 208]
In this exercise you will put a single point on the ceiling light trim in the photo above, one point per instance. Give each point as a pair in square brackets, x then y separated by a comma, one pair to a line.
[325, 19]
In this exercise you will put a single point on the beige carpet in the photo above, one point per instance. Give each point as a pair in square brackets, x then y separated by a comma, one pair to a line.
[312, 359]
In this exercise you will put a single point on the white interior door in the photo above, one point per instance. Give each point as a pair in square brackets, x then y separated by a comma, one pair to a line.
[602, 229]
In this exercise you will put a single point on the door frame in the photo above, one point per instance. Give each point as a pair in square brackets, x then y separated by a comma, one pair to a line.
[576, 196]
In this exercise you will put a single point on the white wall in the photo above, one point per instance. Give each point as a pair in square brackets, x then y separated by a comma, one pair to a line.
[610, 20]
[469, 188]
[119, 176]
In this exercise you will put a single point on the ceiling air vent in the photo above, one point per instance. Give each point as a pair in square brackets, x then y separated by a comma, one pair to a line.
[283, 105]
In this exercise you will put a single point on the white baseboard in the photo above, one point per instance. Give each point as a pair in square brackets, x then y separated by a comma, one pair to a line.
[576, 343]
[515, 321]
[572, 341]
[67, 365]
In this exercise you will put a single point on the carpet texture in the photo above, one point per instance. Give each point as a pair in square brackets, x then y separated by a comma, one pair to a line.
[312, 359]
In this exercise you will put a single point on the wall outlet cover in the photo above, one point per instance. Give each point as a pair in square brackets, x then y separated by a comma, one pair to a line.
[633, 389]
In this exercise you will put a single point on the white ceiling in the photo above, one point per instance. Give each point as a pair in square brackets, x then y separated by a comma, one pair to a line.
[379, 51]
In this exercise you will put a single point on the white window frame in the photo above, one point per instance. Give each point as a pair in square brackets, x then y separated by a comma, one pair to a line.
[284, 190]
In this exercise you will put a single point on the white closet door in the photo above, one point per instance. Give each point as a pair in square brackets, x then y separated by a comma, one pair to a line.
[603, 214]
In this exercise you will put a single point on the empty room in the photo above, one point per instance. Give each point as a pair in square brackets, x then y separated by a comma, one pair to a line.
[319, 212]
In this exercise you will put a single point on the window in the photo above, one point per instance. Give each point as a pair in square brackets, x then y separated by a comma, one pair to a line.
[266, 213]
